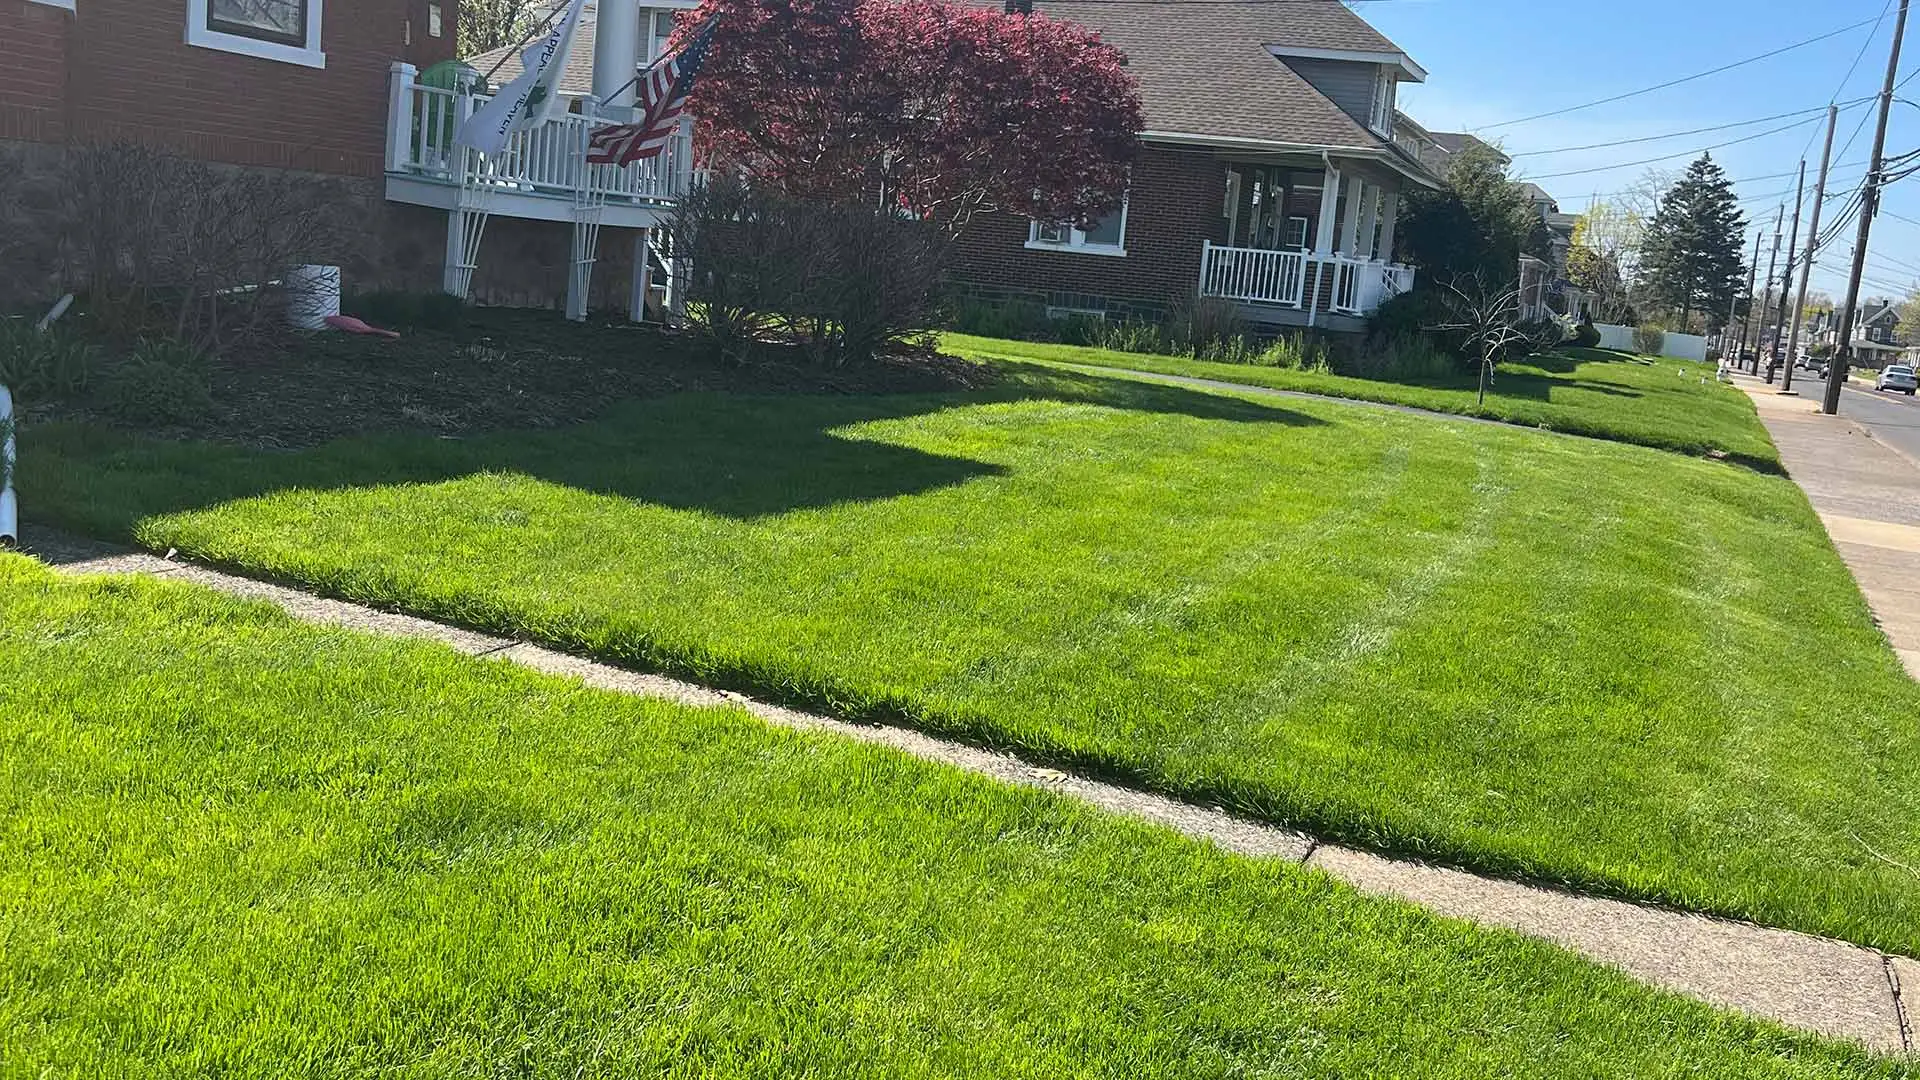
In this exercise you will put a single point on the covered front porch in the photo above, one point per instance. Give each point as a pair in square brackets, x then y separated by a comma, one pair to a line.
[1309, 242]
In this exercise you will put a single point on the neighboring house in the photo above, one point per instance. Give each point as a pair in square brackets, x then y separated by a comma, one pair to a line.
[298, 88]
[1270, 173]
[1544, 289]
[1876, 341]
[327, 95]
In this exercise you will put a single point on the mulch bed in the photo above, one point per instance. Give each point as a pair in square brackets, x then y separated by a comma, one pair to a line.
[503, 370]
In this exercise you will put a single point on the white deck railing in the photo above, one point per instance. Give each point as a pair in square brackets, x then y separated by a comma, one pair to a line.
[1302, 280]
[548, 160]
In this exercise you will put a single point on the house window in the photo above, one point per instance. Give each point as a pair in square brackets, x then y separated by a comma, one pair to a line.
[1296, 236]
[1108, 236]
[1384, 88]
[656, 27]
[283, 30]
[435, 26]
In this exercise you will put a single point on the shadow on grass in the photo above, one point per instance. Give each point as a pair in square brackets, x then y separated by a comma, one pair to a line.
[742, 457]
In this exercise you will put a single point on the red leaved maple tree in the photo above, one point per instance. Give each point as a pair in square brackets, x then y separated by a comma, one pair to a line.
[942, 108]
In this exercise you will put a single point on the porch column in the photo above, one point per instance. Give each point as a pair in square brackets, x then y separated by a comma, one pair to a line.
[1369, 217]
[616, 53]
[1329, 205]
[1389, 217]
[1350, 226]
[400, 116]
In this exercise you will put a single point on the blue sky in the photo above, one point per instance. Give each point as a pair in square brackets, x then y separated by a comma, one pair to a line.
[1491, 61]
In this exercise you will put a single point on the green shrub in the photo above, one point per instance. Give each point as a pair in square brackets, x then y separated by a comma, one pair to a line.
[395, 310]
[1018, 320]
[1586, 335]
[38, 365]
[162, 383]
[1293, 351]
[1135, 337]
[1413, 357]
[1650, 340]
[1541, 334]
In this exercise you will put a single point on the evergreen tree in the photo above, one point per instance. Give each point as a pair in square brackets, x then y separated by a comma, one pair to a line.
[1692, 256]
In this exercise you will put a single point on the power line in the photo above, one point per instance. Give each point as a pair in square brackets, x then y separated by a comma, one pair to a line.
[1678, 134]
[1670, 83]
[1677, 154]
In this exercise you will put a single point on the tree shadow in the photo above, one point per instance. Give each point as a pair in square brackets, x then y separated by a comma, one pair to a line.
[738, 456]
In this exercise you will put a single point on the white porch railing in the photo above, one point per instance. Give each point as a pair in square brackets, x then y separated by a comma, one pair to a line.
[1253, 274]
[1302, 280]
[548, 160]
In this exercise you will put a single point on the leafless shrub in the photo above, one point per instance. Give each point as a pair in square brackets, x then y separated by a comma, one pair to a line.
[190, 250]
[841, 280]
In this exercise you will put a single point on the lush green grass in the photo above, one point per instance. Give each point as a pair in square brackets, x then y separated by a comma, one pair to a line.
[239, 847]
[1669, 404]
[1561, 658]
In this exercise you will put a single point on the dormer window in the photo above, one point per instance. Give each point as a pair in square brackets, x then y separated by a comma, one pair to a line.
[1385, 85]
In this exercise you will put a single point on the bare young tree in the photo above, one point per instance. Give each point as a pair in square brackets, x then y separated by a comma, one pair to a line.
[1487, 317]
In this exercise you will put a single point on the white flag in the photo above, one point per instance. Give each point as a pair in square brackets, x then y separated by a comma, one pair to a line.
[530, 100]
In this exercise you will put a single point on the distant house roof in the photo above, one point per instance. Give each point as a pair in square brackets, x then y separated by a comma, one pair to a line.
[576, 81]
[1206, 69]
[1539, 195]
[1876, 310]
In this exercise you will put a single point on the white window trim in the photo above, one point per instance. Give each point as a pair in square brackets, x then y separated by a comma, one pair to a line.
[1077, 240]
[64, 5]
[309, 55]
[1384, 85]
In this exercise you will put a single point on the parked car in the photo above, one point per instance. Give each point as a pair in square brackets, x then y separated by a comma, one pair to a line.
[1899, 377]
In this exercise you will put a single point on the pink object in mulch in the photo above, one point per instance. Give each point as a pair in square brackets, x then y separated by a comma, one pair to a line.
[354, 326]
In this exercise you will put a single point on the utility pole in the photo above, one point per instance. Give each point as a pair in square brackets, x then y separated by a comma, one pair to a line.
[1869, 205]
[1773, 261]
[1753, 272]
[1813, 245]
[1786, 275]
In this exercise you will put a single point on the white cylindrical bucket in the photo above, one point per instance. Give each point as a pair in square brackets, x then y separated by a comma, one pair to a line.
[9, 506]
[313, 293]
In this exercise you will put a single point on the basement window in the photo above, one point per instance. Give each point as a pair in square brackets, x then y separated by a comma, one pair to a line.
[284, 30]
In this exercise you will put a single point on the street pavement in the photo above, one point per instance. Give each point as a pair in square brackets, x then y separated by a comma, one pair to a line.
[1891, 418]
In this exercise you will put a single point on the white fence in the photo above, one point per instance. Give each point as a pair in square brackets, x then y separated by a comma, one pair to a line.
[1682, 346]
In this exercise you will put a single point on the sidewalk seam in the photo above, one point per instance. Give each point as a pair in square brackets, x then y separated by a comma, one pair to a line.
[1901, 1015]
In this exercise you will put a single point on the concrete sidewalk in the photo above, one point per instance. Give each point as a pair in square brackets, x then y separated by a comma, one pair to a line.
[1868, 495]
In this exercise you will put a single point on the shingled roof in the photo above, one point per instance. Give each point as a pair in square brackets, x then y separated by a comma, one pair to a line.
[576, 81]
[1205, 68]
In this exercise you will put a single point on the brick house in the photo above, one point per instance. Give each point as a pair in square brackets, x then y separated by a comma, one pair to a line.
[1270, 174]
[323, 94]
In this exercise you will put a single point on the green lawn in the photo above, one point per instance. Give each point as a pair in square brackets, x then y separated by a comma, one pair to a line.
[239, 847]
[1567, 659]
[1669, 404]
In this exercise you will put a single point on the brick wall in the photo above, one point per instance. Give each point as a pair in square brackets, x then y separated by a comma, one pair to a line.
[118, 69]
[1176, 202]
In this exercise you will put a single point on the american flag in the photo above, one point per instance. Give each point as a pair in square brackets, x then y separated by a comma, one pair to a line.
[663, 96]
